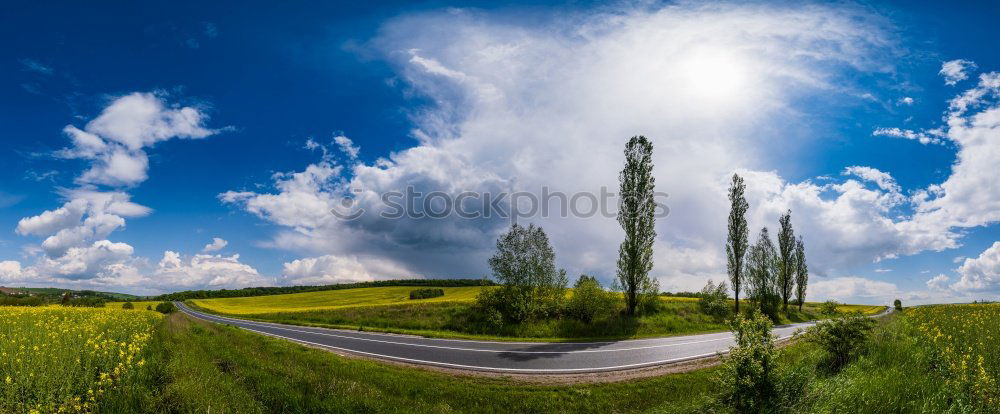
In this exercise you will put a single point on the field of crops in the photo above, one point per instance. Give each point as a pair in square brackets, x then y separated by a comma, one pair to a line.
[138, 304]
[56, 359]
[964, 340]
[330, 299]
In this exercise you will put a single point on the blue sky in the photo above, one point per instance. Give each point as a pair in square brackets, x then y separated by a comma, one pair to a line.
[454, 97]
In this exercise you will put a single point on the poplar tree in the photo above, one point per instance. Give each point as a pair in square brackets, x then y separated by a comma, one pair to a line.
[786, 259]
[761, 278]
[636, 216]
[739, 236]
[801, 272]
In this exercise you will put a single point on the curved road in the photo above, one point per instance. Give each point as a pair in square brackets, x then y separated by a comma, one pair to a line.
[512, 357]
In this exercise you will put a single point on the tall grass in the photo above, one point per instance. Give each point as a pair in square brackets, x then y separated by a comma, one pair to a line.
[933, 359]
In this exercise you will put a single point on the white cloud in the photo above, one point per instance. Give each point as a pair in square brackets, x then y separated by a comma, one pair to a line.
[75, 235]
[906, 100]
[855, 290]
[139, 120]
[521, 107]
[11, 271]
[981, 273]
[216, 244]
[331, 269]
[203, 271]
[939, 282]
[957, 70]
[922, 137]
[347, 146]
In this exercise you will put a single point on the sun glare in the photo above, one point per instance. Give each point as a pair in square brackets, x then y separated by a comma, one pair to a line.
[714, 75]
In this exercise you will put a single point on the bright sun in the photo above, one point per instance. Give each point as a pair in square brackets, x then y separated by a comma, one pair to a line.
[714, 75]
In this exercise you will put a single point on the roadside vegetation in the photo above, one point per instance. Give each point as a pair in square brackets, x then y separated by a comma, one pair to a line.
[925, 359]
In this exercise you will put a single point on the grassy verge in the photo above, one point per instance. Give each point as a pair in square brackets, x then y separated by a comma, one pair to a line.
[451, 319]
[197, 367]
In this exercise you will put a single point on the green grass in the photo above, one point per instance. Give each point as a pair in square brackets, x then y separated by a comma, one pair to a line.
[201, 367]
[389, 309]
[451, 319]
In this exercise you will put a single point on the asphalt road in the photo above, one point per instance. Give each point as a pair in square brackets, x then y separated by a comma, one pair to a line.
[512, 357]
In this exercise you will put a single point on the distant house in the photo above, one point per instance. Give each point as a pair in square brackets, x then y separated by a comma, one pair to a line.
[12, 292]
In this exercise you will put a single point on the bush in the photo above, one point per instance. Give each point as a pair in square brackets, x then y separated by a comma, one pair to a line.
[842, 338]
[715, 300]
[748, 376]
[149, 307]
[166, 307]
[898, 304]
[590, 300]
[128, 305]
[829, 307]
[426, 293]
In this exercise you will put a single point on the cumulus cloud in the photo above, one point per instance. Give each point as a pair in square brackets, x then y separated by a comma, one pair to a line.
[981, 273]
[114, 141]
[331, 269]
[518, 107]
[957, 70]
[203, 271]
[216, 244]
[938, 282]
[74, 235]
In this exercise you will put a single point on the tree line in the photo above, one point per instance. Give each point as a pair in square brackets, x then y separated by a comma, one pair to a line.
[280, 290]
[769, 275]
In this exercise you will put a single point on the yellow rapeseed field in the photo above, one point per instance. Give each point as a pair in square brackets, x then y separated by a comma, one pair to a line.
[57, 359]
[331, 299]
[965, 340]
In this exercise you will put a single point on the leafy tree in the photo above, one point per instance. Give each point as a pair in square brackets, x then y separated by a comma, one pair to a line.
[128, 305]
[589, 300]
[786, 259]
[761, 275]
[898, 304]
[524, 264]
[636, 216]
[801, 272]
[739, 236]
[714, 300]
[748, 376]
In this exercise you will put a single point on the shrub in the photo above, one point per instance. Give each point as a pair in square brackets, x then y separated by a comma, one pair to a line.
[589, 300]
[842, 338]
[715, 300]
[149, 307]
[829, 307]
[166, 307]
[898, 304]
[128, 305]
[748, 377]
[426, 293]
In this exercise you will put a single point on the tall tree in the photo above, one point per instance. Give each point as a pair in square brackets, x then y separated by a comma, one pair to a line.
[739, 236]
[801, 272]
[761, 274]
[524, 264]
[636, 216]
[786, 259]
